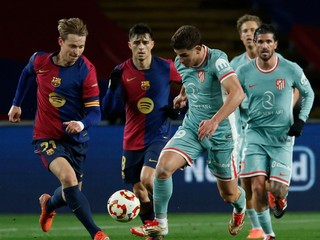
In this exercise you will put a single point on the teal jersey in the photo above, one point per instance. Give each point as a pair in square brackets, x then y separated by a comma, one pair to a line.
[235, 63]
[270, 100]
[205, 93]
[239, 60]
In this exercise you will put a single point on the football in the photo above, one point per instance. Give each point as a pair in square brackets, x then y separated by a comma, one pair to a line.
[123, 206]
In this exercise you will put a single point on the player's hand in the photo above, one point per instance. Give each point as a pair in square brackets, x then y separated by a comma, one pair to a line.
[296, 128]
[171, 112]
[73, 127]
[180, 101]
[14, 114]
[207, 128]
[115, 79]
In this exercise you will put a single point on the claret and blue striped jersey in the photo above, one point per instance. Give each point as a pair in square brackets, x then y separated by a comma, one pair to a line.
[63, 94]
[144, 93]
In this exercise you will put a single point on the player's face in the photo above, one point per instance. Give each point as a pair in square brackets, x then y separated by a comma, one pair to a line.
[266, 46]
[246, 33]
[189, 58]
[141, 46]
[71, 49]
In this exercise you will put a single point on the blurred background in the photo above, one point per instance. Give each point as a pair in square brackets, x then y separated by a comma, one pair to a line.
[30, 26]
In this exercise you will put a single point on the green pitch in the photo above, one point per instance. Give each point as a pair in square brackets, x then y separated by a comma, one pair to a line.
[213, 226]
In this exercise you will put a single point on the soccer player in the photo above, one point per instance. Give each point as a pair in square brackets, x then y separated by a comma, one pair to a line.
[269, 83]
[67, 105]
[246, 26]
[142, 83]
[213, 92]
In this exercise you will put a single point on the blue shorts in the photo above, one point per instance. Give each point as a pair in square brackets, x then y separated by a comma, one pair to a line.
[134, 160]
[74, 153]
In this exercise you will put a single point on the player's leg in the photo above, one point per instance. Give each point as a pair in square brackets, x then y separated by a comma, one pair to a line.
[69, 171]
[168, 163]
[280, 177]
[235, 195]
[136, 172]
[147, 177]
[256, 168]
[224, 165]
[256, 231]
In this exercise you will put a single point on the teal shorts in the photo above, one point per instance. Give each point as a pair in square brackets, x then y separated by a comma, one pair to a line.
[222, 160]
[274, 162]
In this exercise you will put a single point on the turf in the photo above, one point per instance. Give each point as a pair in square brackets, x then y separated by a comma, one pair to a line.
[211, 226]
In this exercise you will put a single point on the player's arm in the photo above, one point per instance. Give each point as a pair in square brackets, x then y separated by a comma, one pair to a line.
[307, 98]
[26, 79]
[112, 102]
[235, 97]
[296, 96]
[92, 117]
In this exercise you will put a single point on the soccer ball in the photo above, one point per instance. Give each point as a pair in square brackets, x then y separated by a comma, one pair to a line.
[123, 206]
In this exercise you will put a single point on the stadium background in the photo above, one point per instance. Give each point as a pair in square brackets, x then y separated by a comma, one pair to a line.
[29, 26]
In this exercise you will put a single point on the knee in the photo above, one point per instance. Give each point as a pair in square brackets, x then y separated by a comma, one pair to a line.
[259, 191]
[147, 183]
[229, 197]
[163, 172]
[68, 180]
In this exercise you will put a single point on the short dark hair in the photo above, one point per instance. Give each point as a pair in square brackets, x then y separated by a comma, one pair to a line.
[140, 29]
[186, 37]
[265, 29]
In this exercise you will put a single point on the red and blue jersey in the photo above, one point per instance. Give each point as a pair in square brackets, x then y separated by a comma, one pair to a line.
[63, 94]
[144, 94]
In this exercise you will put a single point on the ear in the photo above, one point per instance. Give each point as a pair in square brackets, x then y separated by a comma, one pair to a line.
[129, 45]
[60, 41]
[198, 48]
[152, 44]
[276, 45]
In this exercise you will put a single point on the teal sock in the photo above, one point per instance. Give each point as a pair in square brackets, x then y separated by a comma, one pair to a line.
[162, 192]
[252, 215]
[265, 222]
[240, 205]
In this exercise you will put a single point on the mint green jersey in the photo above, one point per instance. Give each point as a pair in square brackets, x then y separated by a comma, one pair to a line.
[235, 63]
[270, 100]
[239, 60]
[206, 95]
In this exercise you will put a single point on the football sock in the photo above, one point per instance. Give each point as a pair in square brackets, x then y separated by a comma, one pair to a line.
[265, 222]
[56, 201]
[162, 192]
[252, 215]
[240, 205]
[80, 207]
[147, 214]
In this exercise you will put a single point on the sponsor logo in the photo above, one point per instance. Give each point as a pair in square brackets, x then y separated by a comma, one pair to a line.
[145, 105]
[151, 160]
[222, 64]
[42, 71]
[253, 85]
[130, 79]
[56, 100]
[303, 170]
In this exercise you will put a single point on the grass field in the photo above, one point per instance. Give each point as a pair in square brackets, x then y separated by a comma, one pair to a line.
[211, 226]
